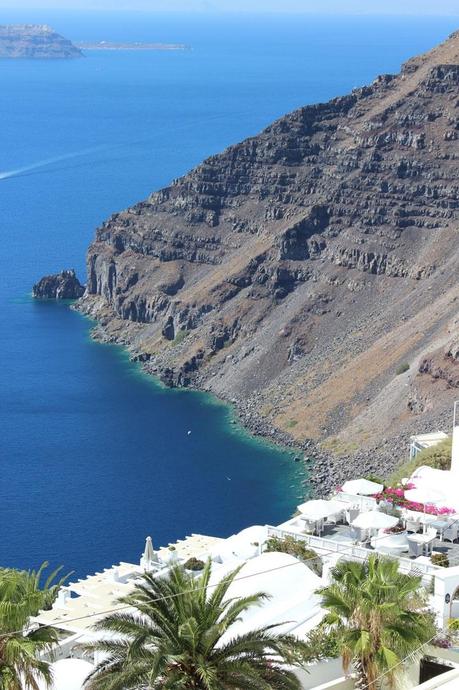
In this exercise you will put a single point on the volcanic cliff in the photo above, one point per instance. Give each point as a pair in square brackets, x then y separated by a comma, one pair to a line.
[35, 41]
[301, 271]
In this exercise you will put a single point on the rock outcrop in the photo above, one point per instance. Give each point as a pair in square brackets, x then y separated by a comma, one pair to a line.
[64, 285]
[443, 364]
[35, 41]
[297, 271]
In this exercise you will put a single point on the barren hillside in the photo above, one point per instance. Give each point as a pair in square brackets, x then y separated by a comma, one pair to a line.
[300, 271]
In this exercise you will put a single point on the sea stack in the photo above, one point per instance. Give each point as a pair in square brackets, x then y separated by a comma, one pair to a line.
[64, 285]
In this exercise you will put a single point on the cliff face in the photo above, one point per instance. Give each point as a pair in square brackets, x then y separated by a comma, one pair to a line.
[34, 41]
[296, 271]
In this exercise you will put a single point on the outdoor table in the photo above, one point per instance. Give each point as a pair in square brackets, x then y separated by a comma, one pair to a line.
[426, 520]
[423, 539]
[440, 525]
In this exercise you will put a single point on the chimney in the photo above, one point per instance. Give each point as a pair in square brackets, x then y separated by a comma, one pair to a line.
[455, 448]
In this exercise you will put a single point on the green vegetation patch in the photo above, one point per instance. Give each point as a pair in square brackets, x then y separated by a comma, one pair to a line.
[402, 368]
[339, 447]
[438, 457]
[296, 548]
[440, 559]
[322, 643]
[180, 337]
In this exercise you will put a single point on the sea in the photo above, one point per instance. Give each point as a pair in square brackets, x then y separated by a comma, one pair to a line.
[94, 455]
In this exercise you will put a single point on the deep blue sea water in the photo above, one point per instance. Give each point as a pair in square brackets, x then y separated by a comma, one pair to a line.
[95, 456]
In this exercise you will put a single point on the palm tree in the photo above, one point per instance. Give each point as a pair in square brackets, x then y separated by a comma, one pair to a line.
[23, 596]
[380, 618]
[176, 635]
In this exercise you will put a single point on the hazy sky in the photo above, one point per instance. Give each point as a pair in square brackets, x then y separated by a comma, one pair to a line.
[414, 7]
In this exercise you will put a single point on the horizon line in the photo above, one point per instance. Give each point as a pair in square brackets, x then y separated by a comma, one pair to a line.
[241, 12]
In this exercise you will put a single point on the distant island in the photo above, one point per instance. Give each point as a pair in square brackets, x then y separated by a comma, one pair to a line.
[35, 41]
[109, 45]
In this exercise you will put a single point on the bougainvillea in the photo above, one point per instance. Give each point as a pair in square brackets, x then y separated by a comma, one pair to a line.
[395, 495]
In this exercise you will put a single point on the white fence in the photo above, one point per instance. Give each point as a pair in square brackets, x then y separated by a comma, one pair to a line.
[363, 502]
[352, 552]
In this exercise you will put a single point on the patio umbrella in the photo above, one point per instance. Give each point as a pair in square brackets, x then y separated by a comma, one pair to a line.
[363, 487]
[425, 495]
[373, 519]
[149, 556]
[320, 509]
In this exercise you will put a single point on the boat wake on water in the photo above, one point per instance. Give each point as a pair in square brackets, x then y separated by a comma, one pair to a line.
[7, 174]
[33, 168]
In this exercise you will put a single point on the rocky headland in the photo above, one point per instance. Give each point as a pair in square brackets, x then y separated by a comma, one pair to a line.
[308, 274]
[35, 41]
[64, 285]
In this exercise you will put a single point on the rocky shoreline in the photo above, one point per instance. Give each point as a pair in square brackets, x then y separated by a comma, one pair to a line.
[325, 470]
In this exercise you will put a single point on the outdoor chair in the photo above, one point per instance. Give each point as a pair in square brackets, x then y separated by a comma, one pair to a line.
[309, 526]
[360, 536]
[432, 533]
[451, 533]
[335, 519]
[351, 514]
[414, 549]
[412, 525]
[356, 534]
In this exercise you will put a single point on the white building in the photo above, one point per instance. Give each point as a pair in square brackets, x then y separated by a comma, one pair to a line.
[291, 584]
[423, 441]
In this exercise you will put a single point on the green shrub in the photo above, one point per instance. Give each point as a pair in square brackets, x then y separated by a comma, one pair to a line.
[194, 564]
[321, 644]
[295, 548]
[291, 423]
[402, 368]
[438, 457]
[440, 559]
[180, 337]
[375, 478]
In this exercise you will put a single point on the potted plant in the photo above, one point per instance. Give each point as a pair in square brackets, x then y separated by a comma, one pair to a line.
[171, 556]
[194, 564]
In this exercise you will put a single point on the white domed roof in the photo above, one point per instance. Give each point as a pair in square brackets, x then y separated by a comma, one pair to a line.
[290, 586]
[277, 574]
[245, 544]
[257, 533]
[70, 674]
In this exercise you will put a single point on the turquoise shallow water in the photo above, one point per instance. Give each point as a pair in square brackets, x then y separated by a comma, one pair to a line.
[94, 455]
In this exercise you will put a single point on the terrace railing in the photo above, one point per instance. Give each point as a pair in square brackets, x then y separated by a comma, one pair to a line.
[354, 552]
[364, 502]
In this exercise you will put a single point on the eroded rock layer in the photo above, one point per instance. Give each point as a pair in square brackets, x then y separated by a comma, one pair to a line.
[298, 271]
